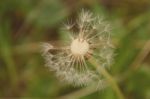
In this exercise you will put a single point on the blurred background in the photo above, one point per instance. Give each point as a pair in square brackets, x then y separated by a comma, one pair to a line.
[25, 23]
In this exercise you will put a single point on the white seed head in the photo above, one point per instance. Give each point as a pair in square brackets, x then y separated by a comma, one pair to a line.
[79, 47]
[70, 62]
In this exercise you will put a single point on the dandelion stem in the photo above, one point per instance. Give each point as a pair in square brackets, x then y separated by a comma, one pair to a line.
[110, 79]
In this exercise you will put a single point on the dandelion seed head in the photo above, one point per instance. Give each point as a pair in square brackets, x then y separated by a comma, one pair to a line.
[91, 40]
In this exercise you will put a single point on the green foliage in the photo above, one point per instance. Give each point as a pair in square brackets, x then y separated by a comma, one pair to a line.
[25, 23]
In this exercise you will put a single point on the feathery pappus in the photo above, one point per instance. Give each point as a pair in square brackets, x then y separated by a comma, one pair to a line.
[91, 39]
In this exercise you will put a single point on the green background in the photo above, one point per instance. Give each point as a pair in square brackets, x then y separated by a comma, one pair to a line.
[26, 23]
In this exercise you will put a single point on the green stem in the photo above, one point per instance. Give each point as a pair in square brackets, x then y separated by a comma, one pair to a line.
[110, 79]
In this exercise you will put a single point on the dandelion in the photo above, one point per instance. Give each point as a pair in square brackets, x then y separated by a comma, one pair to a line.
[90, 39]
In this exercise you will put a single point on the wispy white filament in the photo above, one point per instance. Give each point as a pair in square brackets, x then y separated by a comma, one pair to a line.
[91, 40]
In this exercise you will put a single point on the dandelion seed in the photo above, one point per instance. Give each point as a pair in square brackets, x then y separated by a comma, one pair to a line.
[92, 40]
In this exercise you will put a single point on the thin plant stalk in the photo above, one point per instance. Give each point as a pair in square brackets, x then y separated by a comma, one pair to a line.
[110, 79]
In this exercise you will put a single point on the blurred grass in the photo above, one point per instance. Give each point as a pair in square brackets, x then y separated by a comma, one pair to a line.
[25, 23]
